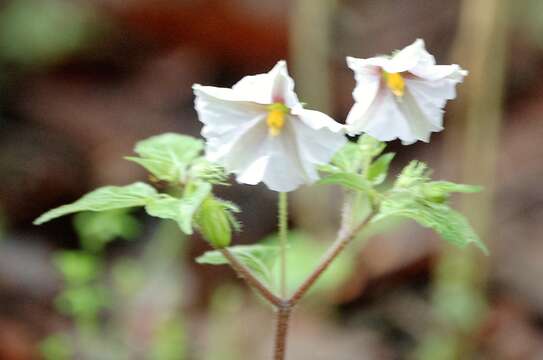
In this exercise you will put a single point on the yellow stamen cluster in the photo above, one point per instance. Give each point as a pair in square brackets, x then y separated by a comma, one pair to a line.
[395, 83]
[276, 118]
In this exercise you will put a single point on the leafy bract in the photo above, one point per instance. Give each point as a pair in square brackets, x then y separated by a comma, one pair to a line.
[378, 170]
[167, 156]
[348, 180]
[416, 197]
[347, 159]
[355, 167]
[370, 148]
[104, 198]
[181, 210]
[258, 257]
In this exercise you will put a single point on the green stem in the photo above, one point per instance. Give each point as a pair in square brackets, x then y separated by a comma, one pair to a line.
[283, 241]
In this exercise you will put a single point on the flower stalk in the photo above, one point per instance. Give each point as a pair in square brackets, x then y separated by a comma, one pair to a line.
[283, 240]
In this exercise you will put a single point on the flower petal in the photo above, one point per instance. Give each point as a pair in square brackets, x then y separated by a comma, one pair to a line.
[268, 88]
[274, 160]
[316, 119]
[224, 120]
[404, 60]
[389, 118]
[316, 144]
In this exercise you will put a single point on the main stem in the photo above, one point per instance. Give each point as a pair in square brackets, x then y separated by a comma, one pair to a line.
[283, 304]
[283, 241]
[281, 330]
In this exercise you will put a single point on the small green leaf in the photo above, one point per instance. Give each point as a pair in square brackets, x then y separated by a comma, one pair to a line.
[415, 173]
[446, 187]
[370, 147]
[102, 199]
[259, 258]
[181, 210]
[450, 224]
[378, 170]
[347, 159]
[167, 156]
[416, 197]
[348, 180]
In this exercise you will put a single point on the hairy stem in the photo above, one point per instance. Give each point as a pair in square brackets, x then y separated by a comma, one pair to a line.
[283, 241]
[281, 330]
[244, 273]
[345, 236]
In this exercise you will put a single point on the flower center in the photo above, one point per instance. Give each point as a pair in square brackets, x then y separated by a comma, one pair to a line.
[395, 83]
[276, 118]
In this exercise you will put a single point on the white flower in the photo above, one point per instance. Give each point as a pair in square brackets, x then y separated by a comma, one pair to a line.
[259, 130]
[401, 96]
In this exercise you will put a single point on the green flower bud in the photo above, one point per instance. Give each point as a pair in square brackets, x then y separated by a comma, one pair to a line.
[434, 195]
[213, 222]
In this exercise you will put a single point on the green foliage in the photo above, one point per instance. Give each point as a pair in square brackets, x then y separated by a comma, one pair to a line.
[128, 277]
[348, 180]
[57, 347]
[175, 159]
[168, 156]
[304, 253]
[103, 199]
[258, 257]
[169, 340]
[378, 170]
[41, 32]
[358, 166]
[77, 268]
[361, 167]
[96, 229]
[416, 197]
[370, 148]
[348, 160]
[83, 302]
[181, 210]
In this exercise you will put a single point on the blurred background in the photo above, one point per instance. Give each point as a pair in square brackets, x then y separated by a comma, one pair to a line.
[82, 80]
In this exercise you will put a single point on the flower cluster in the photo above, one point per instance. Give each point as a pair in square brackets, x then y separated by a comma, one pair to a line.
[259, 130]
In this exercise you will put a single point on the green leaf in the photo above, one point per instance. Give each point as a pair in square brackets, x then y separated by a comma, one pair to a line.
[167, 156]
[370, 147]
[181, 210]
[104, 198]
[415, 173]
[415, 197]
[378, 170]
[450, 224]
[347, 159]
[259, 258]
[348, 180]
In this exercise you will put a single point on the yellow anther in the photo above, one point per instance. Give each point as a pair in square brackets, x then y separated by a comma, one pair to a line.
[276, 118]
[395, 83]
